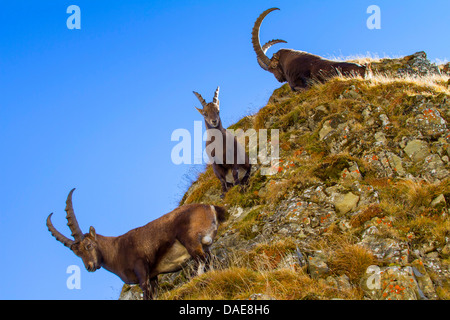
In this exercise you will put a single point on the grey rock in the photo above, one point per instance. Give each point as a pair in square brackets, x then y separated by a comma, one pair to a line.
[434, 168]
[390, 283]
[417, 150]
[317, 266]
[260, 296]
[439, 201]
[131, 292]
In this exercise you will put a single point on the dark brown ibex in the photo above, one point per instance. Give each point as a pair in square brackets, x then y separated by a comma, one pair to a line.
[229, 161]
[299, 68]
[141, 254]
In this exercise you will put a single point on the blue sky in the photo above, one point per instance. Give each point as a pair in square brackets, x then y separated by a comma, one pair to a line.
[95, 108]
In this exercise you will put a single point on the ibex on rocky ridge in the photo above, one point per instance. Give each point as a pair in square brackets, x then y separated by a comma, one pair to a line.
[230, 162]
[138, 256]
[299, 68]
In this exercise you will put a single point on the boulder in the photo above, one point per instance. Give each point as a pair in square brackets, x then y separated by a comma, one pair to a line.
[417, 150]
[317, 266]
[391, 283]
[346, 203]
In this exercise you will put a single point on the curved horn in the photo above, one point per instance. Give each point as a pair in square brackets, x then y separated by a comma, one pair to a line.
[266, 47]
[255, 37]
[65, 241]
[200, 98]
[71, 219]
[216, 97]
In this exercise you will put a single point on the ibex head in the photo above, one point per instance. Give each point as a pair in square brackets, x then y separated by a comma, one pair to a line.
[84, 246]
[210, 110]
[271, 65]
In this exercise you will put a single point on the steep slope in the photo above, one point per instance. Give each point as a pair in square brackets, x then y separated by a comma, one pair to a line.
[358, 207]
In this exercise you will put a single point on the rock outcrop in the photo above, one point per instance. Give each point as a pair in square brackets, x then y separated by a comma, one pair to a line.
[358, 207]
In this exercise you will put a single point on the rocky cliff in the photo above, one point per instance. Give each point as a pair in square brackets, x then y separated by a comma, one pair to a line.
[358, 207]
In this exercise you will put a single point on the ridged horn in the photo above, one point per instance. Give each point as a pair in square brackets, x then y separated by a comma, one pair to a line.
[216, 97]
[71, 219]
[266, 47]
[200, 98]
[255, 38]
[65, 241]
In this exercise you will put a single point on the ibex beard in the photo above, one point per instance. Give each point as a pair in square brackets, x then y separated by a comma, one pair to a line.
[140, 255]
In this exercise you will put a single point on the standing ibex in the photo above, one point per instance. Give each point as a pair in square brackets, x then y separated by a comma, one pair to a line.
[229, 161]
[138, 256]
[298, 68]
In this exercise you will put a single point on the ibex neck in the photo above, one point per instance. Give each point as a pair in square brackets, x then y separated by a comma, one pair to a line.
[109, 251]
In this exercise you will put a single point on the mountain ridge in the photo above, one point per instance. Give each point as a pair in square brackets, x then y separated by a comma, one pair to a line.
[358, 206]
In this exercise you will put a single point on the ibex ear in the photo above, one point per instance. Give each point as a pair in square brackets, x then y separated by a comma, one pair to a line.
[92, 232]
[200, 110]
[274, 63]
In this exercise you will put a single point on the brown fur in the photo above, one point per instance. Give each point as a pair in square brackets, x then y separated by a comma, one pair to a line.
[137, 256]
[299, 68]
[220, 166]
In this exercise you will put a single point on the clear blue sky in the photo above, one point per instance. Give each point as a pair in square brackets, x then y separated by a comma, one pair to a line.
[95, 108]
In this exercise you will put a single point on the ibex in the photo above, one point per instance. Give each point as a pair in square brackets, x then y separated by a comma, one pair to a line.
[141, 254]
[298, 68]
[229, 162]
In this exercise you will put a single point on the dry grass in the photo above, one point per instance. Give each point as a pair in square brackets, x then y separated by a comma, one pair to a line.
[288, 109]
[351, 260]
[206, 182]
[345, 256]
[239, 282]
[245, 226]
[406, 203]
[365, 215]
[368, 57]
[435, 83]
[414, 196]
[261, 269]
[264, 256]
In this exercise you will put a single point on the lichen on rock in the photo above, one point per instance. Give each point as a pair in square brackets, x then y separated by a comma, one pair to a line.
[363, 180]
